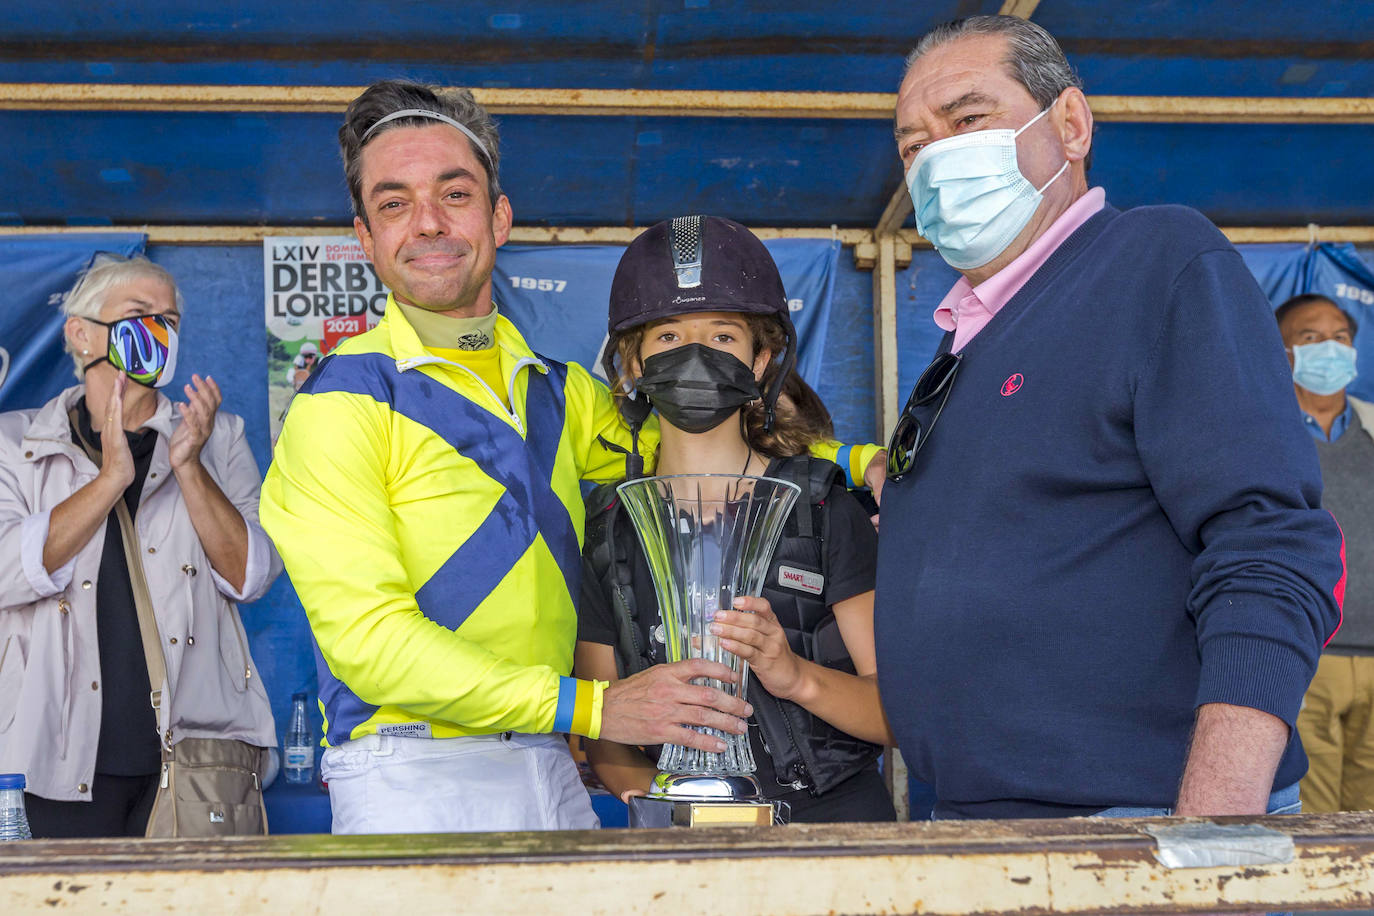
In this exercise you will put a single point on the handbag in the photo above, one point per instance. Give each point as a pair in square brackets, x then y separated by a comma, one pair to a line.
[207, 786]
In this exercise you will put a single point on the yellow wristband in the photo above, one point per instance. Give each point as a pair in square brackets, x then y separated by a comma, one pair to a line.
[594, 716]
[859, 460]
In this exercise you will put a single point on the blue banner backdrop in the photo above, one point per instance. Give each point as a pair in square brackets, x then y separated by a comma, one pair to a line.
[557, 296]
[1337, 271]
[1332, 270]
[1282, 271]
[225, 335]
[37, 271]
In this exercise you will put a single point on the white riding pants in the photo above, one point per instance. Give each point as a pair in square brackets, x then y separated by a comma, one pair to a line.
[510, 781]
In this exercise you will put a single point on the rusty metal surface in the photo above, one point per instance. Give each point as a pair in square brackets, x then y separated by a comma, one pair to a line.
[1113, 837]
[1023, 867]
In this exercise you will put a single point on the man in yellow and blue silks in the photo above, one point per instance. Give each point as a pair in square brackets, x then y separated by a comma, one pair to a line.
[425, 496]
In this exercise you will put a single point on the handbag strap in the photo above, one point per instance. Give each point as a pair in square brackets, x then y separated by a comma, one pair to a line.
[143, 597]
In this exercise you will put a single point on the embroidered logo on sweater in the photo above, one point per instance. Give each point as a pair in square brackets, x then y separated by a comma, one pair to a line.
[800, 579]
[474, 340]
[1013, 384]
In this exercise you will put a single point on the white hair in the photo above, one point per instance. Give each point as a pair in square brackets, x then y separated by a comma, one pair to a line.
[105, 272]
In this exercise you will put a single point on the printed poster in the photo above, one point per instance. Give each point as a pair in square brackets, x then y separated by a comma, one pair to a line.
[319, 291]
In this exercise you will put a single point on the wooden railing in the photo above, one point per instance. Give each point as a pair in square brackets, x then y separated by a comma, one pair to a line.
[1074, 866]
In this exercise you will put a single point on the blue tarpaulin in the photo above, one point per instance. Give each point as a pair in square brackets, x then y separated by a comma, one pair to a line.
[1331, 270]
[1339, 272]
[38, 270]
[281, 167]
[557, 296]
[223, 335]
[1281, 270]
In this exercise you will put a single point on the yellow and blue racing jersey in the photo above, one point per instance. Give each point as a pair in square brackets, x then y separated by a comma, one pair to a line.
[852, 459]
[434, 536]
[432, 527]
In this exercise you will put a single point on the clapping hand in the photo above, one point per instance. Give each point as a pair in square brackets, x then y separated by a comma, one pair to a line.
[116, 461]
[197, 421]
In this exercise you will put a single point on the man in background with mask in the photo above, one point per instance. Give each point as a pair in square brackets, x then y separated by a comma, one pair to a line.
[1337, 718]
[1104, 577]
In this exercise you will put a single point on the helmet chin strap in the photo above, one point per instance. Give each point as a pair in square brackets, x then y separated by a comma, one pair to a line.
[789, 363]
[635, 408]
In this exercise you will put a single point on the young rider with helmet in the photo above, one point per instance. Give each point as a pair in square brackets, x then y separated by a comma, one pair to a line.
[700, 332]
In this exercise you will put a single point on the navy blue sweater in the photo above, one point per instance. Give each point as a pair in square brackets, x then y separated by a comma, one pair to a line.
[1114, 521]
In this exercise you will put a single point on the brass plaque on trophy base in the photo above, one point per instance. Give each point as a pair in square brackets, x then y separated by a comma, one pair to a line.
[646, 811]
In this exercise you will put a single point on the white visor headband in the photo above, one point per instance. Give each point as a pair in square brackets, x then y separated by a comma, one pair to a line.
[434, 116]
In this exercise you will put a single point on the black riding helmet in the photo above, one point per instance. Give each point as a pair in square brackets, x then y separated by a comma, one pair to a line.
[696, 264]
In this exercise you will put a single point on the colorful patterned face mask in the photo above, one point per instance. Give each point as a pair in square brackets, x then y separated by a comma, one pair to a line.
[143, 347]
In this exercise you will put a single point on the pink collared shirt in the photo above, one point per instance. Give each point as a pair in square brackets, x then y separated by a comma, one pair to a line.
[966, 309]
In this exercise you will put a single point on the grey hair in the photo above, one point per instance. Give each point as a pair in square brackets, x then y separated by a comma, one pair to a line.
[105, 272]
[1034, 58]
[389, 96]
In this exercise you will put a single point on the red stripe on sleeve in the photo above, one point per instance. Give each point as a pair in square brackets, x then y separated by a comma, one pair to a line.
[1339, 591]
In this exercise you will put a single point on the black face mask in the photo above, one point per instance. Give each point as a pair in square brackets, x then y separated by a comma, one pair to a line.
[696, 388]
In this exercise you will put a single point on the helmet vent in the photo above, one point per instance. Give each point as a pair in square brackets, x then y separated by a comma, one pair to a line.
[684, 241]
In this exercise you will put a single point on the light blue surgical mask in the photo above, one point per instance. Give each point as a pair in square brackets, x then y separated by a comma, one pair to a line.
[970, 197]
[1323, 368]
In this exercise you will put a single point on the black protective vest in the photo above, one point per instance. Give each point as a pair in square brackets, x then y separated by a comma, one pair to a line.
[806, 751]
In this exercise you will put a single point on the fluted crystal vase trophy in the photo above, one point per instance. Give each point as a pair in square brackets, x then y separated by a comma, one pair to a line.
[708, 539]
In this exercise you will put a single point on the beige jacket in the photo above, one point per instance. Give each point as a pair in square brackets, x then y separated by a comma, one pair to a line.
[49, 658]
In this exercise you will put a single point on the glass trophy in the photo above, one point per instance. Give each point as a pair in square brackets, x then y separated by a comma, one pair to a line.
[708, 539]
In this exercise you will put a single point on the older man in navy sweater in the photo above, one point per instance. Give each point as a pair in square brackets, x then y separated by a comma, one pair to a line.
[1104, 575]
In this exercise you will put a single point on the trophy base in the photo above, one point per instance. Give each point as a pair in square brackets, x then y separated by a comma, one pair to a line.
[684, 800]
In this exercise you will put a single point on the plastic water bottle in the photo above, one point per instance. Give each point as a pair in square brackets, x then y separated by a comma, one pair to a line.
[298, 756]
[14, 820]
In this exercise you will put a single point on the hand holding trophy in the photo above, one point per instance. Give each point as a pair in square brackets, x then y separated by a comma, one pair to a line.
[708, 539]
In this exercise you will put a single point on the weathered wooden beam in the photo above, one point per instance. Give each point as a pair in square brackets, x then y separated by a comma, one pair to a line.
[1229, 110]
[582, 102]
[529, 235]
[885, 350]
[658, 102]
[1074, 866]
[899, 208]
[895, 213]
[623, 235]
[1020, 8]
[1360, 235]
[896, 779]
